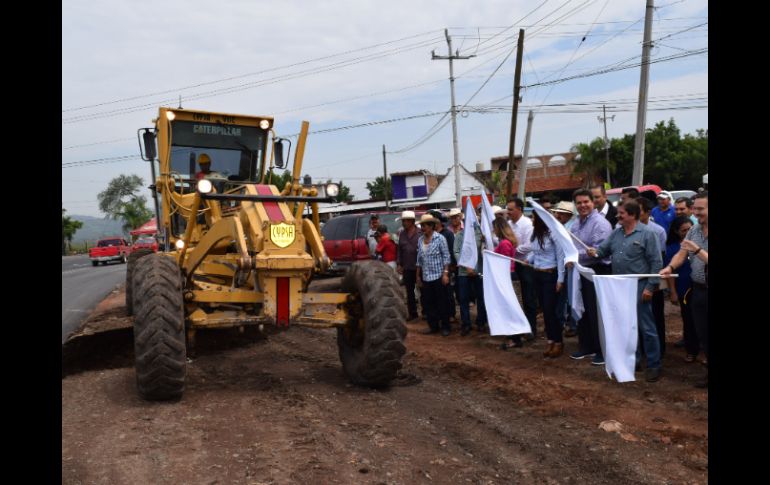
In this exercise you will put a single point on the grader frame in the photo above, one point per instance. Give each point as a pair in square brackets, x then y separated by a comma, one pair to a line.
[238, 252]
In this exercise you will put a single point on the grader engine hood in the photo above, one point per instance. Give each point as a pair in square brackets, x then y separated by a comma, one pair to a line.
[283, 266]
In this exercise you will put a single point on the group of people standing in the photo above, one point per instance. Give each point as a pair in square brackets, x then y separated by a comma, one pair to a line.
[610, 240]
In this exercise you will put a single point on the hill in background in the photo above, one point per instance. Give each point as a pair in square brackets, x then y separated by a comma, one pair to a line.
[95, 228]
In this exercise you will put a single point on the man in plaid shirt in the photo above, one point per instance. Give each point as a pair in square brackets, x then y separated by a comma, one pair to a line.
[433, 275]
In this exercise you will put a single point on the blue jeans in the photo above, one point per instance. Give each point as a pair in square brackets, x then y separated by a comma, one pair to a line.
[468, 286]
[648, 333]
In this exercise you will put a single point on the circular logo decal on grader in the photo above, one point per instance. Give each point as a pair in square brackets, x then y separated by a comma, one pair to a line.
[236, 251]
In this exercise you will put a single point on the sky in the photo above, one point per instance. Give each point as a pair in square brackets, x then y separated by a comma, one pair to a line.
[340, 64]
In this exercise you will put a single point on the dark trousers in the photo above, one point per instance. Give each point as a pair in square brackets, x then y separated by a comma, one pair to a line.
[660, 319]
[469, 286]
[588, 326]
[699, 304]
[689, 333]
[410, 280]
[545, 287]
[526, 277]
[436, 300]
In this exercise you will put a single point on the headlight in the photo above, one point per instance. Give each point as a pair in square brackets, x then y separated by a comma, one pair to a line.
[264, 124]
[170, 115]
[179, 244]
[332, 190]
[205, 186]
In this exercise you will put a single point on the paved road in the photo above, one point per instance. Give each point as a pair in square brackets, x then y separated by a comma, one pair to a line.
[83, 286]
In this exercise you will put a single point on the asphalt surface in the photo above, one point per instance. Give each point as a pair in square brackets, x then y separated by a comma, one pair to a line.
[83, 286]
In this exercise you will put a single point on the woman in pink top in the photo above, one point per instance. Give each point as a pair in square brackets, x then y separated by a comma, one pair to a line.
[507, 246]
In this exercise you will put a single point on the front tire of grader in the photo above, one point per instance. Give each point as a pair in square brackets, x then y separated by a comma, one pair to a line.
[159, 333]
[133, 259]
[372, 356]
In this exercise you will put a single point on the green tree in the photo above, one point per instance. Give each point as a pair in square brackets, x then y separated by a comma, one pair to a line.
[592, 160]
[671, 160]
[120, 201]
[134, 213]
[344, 195]
[279, 178]
[376, 189]
[68, 229]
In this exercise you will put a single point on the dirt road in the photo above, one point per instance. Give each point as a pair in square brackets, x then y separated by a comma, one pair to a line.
[278, 410]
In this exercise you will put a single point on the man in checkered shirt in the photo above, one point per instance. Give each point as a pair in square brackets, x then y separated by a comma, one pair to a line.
[433, 275]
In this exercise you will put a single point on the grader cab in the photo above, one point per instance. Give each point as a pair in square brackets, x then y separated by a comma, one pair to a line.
[237, 252]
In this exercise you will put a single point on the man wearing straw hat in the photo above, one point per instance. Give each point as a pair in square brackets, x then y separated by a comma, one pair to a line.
[433, 275]
[406, 259]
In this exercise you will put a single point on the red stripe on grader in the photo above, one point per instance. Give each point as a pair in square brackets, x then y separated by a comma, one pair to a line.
[282, 305]
[273, 211]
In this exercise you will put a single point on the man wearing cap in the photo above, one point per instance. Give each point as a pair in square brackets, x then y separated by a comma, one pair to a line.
[664, 213]
[204, 161]
[371, 240]
[433, 275]
[592, 229]
[406, 259]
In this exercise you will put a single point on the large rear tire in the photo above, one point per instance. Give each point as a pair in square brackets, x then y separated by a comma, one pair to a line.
[372, 356]
[133, 258]
[159, 333]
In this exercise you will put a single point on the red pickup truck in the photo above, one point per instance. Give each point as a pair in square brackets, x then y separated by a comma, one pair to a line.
[109, 249]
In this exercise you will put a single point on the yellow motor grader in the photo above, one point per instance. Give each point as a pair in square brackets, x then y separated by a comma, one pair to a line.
[236, 251]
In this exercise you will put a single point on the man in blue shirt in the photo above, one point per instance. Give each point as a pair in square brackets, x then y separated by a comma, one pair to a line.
[634, 250]
[664, 213]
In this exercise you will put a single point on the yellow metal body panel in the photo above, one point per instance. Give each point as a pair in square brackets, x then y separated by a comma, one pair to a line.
[234, 254]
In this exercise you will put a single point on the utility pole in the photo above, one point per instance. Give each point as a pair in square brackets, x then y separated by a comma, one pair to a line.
[641, 114]
[458, 192]
[385, 179]
[523, 169]
[606, 140]
[515, 112]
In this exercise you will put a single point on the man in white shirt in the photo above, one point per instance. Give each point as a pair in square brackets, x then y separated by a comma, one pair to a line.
[371, 242]
[602, 205]
[522, 228]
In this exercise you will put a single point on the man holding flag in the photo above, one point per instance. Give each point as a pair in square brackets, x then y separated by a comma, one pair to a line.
[467, 251]
[634, 250]
[592, 229]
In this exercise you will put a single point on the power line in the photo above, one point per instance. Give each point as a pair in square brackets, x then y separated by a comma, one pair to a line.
[620, 68]
[252, 84]
[208, 83]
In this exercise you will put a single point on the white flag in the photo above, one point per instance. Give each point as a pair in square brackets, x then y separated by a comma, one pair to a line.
[504, 313]
[561, 236]
[616, 300]
[486, 221]
[559, 233]
[469, 256]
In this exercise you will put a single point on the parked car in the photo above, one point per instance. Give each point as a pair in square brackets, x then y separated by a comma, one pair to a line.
[675, 194]
[345, 236]
[648, 191]
[109, 249]
[145, 242]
